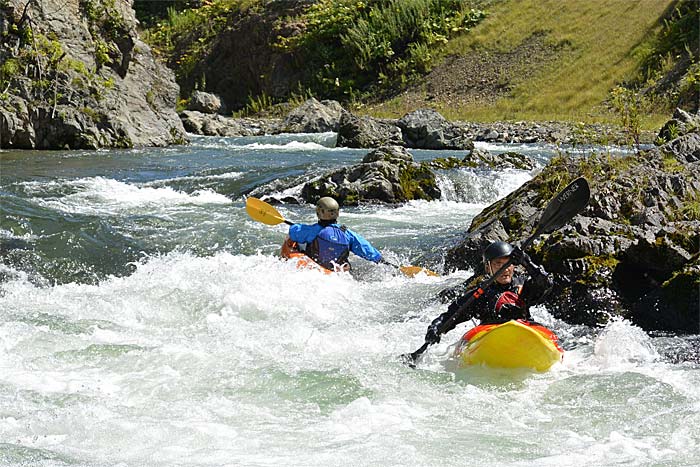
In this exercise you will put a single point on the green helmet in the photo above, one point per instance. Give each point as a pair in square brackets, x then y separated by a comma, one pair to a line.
[327, 209]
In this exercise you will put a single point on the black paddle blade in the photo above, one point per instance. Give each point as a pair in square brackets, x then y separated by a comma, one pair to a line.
[563, 207]
[407, 359]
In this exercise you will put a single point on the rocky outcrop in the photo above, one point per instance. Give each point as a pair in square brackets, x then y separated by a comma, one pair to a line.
[680, 124]
[74, 74]
[205, 102]
[427, 129]
[634, 250]
[387, 174]
[313, 117]
[218, 125]
[484, 159]
[367, 132]
[243, 62]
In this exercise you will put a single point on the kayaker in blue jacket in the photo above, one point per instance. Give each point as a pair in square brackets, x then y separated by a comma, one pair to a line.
[508, 297]
[328, 243]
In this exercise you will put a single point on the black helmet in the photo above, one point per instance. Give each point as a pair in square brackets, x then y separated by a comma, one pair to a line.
[497, 250]
[327, 209]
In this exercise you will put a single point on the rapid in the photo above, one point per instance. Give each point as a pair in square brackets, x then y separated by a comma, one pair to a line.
[146, 320]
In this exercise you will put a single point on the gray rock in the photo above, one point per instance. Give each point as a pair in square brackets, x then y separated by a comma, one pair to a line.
[204, 102]
[387, 175]
[120, 97]
[366, 132]
[427, 129]
[631, 252]
[314, 117]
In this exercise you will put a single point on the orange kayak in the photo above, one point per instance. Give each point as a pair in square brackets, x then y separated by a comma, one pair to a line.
[290, 251]
[514, 344]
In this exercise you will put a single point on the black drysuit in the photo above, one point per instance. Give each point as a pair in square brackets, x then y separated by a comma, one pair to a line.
[499, 303]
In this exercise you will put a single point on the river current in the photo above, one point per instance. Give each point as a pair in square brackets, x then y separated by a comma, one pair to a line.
[146, 320]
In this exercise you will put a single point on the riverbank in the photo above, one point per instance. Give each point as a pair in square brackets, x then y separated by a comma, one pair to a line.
[313, 116]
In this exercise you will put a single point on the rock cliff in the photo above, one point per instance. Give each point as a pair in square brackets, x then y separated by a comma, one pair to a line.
[633, 252]
[74, 74]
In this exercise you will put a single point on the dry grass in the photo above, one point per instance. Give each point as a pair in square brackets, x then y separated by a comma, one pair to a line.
[600, 44]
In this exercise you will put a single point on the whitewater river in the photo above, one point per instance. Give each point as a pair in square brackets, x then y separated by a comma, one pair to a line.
[145, 320]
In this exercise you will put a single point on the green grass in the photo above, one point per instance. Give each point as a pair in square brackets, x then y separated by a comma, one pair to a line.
[602, 43]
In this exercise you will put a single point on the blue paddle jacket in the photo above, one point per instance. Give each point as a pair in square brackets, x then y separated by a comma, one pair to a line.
[306, 233]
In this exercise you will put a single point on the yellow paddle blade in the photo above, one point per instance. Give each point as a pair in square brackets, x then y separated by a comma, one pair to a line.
[411, 271]
[262, 212]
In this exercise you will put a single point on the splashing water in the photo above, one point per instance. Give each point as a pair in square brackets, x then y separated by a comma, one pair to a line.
[146, 320]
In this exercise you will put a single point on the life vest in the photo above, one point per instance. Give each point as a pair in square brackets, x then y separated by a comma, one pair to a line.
[510, 301]
[330, 247]
[506, 306]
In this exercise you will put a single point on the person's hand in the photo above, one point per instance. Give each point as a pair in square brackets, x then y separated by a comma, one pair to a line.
[432, 336]
[519, 256]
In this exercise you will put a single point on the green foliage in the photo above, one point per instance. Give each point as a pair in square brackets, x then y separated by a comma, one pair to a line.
[355, 44]
[629, 106]
[256, 104]
[9, 70]
[149, 12]
[598, 269]
[107, 27]
[185, 36]
[691, 207]
[102, 53]
[671, 164]
[680, 35]
[690, 83]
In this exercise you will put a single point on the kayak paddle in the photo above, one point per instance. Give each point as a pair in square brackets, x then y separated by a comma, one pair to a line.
[560, 210]
[263, 212]
[411, 271]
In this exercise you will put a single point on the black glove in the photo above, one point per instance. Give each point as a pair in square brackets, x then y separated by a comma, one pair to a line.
[520, 257]
[433, 335]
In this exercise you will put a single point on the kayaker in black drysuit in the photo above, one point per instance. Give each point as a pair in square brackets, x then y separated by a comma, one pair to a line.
[508, 297]
[328, 243]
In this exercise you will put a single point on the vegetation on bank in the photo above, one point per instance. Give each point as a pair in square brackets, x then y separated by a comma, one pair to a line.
[37, 67]
[356, 48]
[607, 58]
[347, 49]
[628, 62]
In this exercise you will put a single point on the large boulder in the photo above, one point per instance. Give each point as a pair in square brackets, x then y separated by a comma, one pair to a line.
[77, 75]
[367, 132]
[314, 117]
[204, 102]
[633, 252]
[387, 174]
[427, 129]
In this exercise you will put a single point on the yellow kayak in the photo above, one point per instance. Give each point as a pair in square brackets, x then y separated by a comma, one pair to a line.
[514, 344]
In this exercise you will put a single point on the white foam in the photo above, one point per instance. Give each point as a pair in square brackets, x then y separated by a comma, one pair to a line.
[621, 344]
[101, 195]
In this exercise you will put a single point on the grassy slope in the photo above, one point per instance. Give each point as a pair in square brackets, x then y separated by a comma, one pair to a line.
[602, 43]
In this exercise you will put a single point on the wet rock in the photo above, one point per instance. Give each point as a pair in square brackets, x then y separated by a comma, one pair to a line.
[631, 253]
[386, 174]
